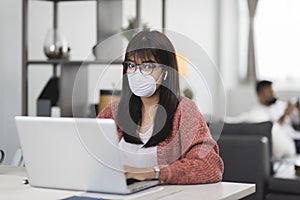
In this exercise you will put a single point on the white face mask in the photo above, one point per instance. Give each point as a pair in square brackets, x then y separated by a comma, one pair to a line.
[141, 85]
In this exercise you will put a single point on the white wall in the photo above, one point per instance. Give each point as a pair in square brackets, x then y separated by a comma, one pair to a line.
[229, 42]
[229, 54]
[197, 19]
[240, 96]
[10, 74]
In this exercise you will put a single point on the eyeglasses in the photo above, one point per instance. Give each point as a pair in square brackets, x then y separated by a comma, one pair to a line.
[145, 68]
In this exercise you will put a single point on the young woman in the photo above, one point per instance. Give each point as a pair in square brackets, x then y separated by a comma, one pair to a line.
[162, 135]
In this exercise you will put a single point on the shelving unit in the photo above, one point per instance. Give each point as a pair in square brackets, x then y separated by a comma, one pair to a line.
[66, 62]
[69, 68]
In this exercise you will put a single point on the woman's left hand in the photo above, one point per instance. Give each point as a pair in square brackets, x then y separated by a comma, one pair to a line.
[139, 173]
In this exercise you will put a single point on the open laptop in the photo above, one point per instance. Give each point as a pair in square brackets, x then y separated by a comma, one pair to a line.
[75, 154]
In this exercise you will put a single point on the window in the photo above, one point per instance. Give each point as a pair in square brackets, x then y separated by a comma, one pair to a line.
[277, 40]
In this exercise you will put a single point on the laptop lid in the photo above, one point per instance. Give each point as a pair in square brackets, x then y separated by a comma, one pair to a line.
[73, 153]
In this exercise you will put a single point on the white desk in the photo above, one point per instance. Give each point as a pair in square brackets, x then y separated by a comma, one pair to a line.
[12, 187]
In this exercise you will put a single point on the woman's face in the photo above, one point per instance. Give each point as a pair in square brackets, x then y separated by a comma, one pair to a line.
[157, 72]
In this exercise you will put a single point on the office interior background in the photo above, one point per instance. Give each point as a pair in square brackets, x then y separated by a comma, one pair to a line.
[220, 27]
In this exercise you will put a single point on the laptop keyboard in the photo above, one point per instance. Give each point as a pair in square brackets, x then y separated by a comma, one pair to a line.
[131, 181]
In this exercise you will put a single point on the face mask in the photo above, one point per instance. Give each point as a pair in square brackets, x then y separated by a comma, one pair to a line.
[271, 101]
[141, 85]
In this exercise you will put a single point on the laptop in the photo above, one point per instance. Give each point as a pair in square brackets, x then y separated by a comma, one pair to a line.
[74, 154]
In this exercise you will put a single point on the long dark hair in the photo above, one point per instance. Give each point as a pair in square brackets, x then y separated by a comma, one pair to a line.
[145, 45]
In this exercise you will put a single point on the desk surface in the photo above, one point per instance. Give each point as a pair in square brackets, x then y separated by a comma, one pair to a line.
[12, 187]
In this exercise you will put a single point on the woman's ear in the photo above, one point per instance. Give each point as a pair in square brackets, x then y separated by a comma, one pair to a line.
[166, 75]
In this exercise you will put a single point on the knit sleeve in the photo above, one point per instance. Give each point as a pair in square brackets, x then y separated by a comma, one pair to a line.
[200, 161]
[108, 111]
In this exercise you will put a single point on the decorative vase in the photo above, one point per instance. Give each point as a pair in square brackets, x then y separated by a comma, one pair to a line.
[56, 46]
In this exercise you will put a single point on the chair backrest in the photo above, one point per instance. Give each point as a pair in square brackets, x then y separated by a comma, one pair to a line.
[248, 129]
[246, 159]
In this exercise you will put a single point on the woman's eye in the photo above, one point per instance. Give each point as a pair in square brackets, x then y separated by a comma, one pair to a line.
[148, 66]
[131, 65]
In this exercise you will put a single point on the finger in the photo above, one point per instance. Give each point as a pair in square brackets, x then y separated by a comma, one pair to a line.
[139, 177]
[127, 175]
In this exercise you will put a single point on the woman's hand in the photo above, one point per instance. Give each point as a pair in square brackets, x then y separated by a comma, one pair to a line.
[140, 174]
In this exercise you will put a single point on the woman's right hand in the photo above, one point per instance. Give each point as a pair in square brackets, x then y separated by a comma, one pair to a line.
[140, 174]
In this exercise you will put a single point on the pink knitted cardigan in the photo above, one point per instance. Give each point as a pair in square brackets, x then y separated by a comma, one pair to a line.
[198, 160]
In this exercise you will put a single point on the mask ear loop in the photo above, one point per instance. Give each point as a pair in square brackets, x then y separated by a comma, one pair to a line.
[166, 75]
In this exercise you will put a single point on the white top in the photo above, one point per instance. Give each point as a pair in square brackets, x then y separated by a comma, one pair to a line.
[275, 111]
[272, 113]
[260, 113]
[135, 155]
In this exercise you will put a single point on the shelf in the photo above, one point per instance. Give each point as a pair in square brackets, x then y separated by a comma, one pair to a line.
[63, 0]
[68, 62]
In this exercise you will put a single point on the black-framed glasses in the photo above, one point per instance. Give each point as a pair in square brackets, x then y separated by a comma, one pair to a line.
[145, 68]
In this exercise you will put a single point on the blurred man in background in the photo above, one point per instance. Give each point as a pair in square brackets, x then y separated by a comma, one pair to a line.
[282, 114]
